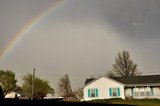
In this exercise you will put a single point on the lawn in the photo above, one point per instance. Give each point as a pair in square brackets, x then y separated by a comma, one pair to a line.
[140, 102]
[103, 102]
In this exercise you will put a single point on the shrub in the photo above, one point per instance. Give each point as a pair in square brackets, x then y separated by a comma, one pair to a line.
[101, 101]
[115, 98]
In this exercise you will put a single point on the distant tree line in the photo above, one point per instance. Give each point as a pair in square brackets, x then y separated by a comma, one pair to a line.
[41, 87]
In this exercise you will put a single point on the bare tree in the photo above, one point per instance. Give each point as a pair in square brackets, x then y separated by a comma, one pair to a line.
[64, 87]
[124, 66]
[79, 93]
[110, 74]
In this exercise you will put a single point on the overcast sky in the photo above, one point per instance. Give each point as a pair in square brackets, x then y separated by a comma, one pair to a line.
[80, 38]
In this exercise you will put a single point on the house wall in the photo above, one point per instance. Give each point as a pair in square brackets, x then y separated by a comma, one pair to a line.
[103, 84]
[156, 92]
[128, 92]
[11, 95]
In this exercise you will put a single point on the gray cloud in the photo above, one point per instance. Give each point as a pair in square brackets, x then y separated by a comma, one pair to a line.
[133, 18]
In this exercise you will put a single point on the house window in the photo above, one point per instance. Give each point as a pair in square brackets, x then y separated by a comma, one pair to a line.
[114, 92]
[136, 92]
[152, 93]
[148, 92]
[142, 93]
[93, 92]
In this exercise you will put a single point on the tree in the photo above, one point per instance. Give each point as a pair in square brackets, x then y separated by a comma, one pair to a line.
[18, 89]
[41, 87]
[8, 81]
[1, 94]
[79, 93]
[124, 66]
[64, 87]
[110, 74]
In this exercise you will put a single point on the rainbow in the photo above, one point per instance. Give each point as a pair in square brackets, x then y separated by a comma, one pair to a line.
[29, 25]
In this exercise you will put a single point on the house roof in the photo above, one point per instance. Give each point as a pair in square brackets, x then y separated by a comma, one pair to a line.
[89, 80]
[138, 79]
[133, 81]
[147, 79]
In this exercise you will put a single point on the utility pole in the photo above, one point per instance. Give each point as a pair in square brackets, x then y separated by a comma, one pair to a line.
[33, 84]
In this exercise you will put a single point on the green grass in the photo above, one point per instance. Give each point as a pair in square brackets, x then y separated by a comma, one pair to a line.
[138, 102]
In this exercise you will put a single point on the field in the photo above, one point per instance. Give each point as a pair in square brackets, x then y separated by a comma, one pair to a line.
[140, 102]
[104, 102]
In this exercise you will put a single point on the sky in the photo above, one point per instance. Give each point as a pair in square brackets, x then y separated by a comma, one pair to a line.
[77, 37]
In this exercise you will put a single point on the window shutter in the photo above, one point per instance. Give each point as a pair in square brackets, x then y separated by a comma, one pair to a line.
[152, 91]
[89, 93]
[110, 92]
[118, 91]
[96, 92]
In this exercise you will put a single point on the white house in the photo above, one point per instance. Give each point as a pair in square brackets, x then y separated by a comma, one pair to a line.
[122, 87]
[12, 94]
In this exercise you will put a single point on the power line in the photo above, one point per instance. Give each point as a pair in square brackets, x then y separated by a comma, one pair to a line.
[71, 75]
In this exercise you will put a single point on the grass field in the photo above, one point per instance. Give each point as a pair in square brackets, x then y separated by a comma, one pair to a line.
[140, 102]
[103, 102]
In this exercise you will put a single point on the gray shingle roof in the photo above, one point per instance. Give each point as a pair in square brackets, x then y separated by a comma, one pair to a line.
[138, 79]
[89, 80]
[134, 80]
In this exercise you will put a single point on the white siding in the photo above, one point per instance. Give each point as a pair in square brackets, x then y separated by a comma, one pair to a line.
[103, 84]
[11, 95]
[156, 91]
[128, 92]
